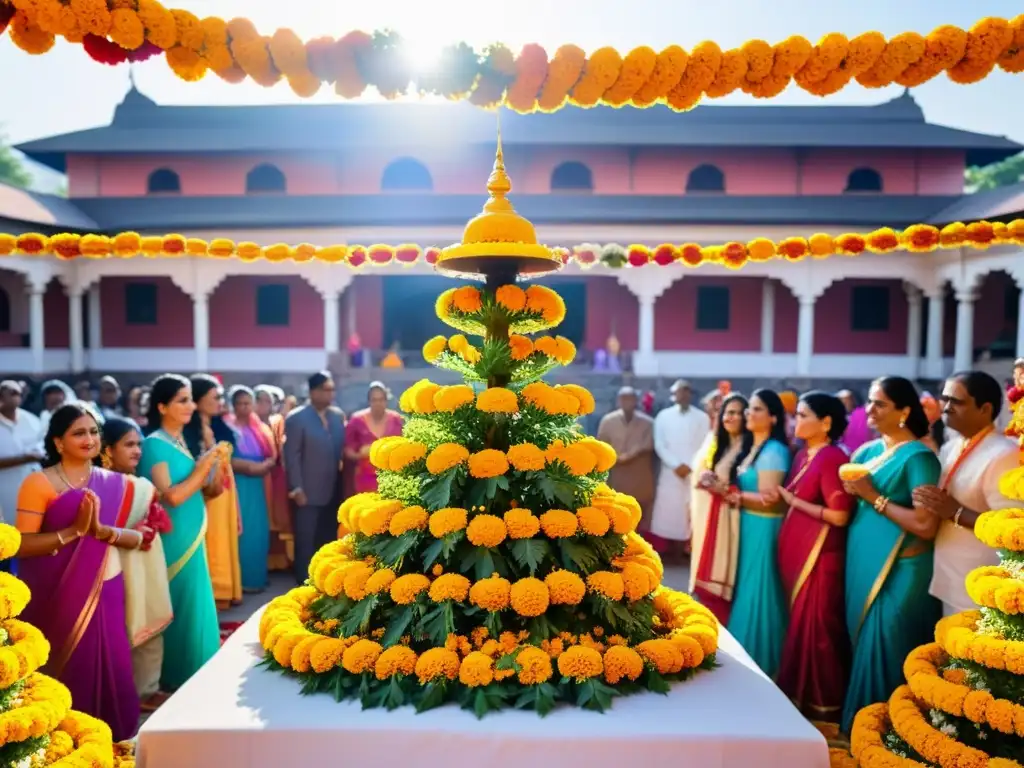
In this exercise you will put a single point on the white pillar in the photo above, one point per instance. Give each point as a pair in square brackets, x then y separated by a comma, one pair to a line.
[645, 363]
[75, 330]
[331, 341]
[767, 317]
[36, 327]
[1020, 325]
[913, 329]
[936, 326]
[95, 321]
[805, 336]
[201, 331]
[964, 350]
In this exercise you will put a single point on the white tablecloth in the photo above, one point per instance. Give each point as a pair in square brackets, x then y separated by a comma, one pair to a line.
[233, 714]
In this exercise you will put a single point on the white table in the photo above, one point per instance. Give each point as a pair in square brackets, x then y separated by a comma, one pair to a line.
[233, 714]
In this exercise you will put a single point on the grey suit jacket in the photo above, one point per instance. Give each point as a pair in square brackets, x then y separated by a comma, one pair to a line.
[312, 453]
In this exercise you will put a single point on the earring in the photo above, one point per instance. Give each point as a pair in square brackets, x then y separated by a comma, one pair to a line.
[105, 460]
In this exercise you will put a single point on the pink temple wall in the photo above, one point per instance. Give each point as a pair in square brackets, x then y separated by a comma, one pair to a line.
[649, 172]
[174, 316]
[611, 308]
[233, 315]
[56, 317]
[832, 322]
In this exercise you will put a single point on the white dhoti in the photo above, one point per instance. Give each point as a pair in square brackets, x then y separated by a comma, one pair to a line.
[678, 436]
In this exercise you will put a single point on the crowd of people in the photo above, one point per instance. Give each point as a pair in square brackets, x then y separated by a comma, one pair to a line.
[828, 536]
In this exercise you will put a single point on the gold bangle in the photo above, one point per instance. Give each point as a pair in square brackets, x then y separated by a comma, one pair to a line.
[61, 539]
[956, 518]
[881, 504]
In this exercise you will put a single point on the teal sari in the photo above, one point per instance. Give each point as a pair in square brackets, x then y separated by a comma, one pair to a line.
[759, 610]
[193, 636]
[888, 609]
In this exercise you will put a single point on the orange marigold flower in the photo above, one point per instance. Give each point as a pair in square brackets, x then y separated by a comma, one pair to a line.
[437, 663]
[593, 521]
[565, 350]
[850, 244]
[497, 400]
[361, 656]
[794, 248]
[380, 581]
[622, 662]
[586, 400]
[821, 245]
[883, 240]
[604, 454]
[486, 531]
[521, 523]
[446, 456]
[580, 663]
[449, 586]
[405, 588]
[921, 238]
[576, 458]
[488, 463]
[355, 580]
[529, 597]
[565, 588]
[448, 520]
[467, 299]
[477, 669]
[511, 298]
[380, 451]
[546, 345]
[397, 660]
[526, 457]
[638, 582]
[665, 657]
[520, 347]
[546, 303]
[408, 519]
[434, 348]
[450, 399]
[558, 524]
[606, 584]
[443, 304]
[326, 654]
[534, 666]
[491, 594]
[375, 519]
[422, 397]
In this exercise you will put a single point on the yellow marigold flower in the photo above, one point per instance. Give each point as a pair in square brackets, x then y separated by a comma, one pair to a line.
[437, 663]
[284, 646]
[449, 586]
[593, 521]
[325, 655]
[443, 304]
[553, 648]
[565, 588]
[377, 519]
[618, 516]
[521, 524]
[397, 660]
[622, 662]
[408, 519]
[520, 347]
[558, 524]
[380, 580]
[638, 582]
[580, 663]
[576, 458]
[526, 457]
[477, 669]
[434, 348]
[534, 666]
[458, 643]
[405, 455]
[537, 394]
[470, 354]
[486, 531]
[446, 456]
[355, 580]
[437, 570]
[361, 656]
[347, 506]
[511, 298]
[450, 399]
[561, 403]
[497, 400]
[545, 302]
[334, 583]
[448, 520]
[405, 588]
[690, 650]
[467, 299]
[478, 635]
[380, 451]
[661, 653]
[488, 463]
[423, 399]
[607, 584]
[565, 353]
[508, 641]
[491, 594]
[604, 454]
[546, 345]
[458, 343]
[529, 597]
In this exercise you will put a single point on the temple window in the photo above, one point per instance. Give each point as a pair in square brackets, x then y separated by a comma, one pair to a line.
[5, 311]
[712, 308]
[572, 177]
[273, 305]
[706, 178]
[864, 180]
[163, 181]
[265, 178]
[869, 308]
[140, 304]
[406, 175]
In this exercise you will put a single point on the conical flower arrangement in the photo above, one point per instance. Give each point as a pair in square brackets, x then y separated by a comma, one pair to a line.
[37, 725]
[963, 702]
[494, 567]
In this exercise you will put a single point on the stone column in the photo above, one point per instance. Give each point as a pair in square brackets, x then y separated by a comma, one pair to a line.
[767, 317]
[331, 319]
[95, 322]
[201, 330]
[37, 330]
[913, 329]
[936, 324]
[645, 362]
[805, 336]
[964, 350]
[75, 331]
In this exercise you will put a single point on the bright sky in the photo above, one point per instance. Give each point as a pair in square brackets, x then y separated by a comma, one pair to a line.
[64, 90]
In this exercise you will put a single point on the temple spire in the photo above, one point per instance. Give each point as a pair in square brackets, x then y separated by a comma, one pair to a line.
[498, 183]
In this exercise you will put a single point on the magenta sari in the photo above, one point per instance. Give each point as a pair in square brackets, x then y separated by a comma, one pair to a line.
[358, 435]
[81, 614]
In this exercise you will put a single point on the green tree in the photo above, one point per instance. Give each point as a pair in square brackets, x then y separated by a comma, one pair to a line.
[1001, 174]
[12, 169]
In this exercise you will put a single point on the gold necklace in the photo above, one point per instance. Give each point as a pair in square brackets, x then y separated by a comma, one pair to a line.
[64, 478]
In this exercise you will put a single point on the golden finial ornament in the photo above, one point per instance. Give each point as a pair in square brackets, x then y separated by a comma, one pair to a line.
[498, 233]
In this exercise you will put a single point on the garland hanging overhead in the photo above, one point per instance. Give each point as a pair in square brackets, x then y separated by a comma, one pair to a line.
[919, 238]
[115, 31]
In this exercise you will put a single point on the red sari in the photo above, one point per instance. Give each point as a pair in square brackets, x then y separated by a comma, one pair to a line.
[359, 435]
[812, 560]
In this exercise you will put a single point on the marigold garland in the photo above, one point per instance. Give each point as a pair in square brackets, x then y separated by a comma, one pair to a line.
[527, 82]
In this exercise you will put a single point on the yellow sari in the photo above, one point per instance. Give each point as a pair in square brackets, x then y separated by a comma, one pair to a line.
[222, 531]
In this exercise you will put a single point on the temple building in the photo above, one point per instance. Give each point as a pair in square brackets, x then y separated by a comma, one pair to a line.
[415, 173]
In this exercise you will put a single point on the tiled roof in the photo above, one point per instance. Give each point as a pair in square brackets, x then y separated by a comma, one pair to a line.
[990, 204]
[21, 205]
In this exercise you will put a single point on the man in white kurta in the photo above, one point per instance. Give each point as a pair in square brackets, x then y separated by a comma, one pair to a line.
[972, 463]
[21, 447]
[679, 431]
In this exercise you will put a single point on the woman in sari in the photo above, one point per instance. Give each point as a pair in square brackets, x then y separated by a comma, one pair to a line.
[147, 592]
[73, 517]
[224, 521]
[365, 427]
[889, 569]
[268, 401]
[193, 636]
[716, 523]
[758, 616]
[812, 554]
[252, 461]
